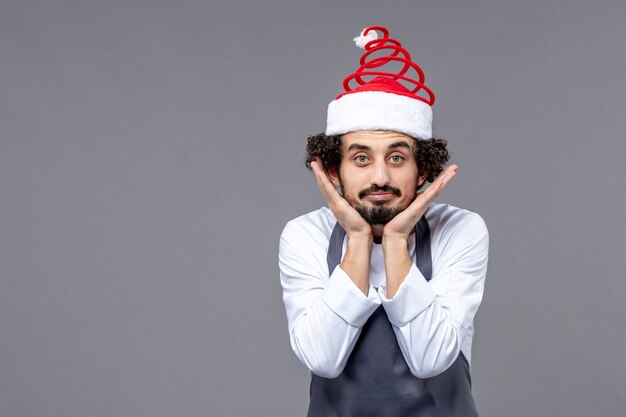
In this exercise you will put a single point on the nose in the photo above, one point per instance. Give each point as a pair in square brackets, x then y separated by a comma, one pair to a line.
[380, 176]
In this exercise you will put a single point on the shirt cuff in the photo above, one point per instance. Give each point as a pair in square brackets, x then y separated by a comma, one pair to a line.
[413, 297]
[347, 300]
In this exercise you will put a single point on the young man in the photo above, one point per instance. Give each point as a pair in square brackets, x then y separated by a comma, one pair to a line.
[381, 287]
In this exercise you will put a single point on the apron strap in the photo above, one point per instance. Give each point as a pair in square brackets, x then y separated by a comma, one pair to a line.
[422, 248]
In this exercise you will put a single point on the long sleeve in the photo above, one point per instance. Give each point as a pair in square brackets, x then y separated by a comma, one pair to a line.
[325, 313]
[434, 319]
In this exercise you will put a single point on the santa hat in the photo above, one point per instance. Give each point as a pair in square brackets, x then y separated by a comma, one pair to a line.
[382, 102]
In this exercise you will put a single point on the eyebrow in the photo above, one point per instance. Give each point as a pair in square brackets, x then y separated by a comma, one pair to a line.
[358, 146]
[401, 144]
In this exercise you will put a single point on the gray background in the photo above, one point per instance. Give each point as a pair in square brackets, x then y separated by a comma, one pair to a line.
[152, 151]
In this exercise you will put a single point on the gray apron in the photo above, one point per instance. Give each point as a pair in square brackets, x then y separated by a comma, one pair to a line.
[376, 380]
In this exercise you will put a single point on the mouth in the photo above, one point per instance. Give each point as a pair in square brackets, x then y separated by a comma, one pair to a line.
[380, 195]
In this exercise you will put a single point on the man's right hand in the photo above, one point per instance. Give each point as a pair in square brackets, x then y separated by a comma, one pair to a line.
[356, 227]
[356, 260]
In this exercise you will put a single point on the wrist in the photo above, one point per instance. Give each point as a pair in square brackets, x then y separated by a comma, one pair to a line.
[360, 244]
[359, 250]
[395, 242]
[361, 238]
[356, 261]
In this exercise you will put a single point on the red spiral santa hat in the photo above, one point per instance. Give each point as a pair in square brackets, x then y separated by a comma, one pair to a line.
[379, 101]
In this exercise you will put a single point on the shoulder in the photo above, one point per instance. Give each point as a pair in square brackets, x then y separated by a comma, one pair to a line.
[320, 221]
[445, 219]
[458, 236]
[311, 229]
[304, 242]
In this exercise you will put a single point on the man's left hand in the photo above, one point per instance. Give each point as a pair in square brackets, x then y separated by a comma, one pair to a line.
[400, 226]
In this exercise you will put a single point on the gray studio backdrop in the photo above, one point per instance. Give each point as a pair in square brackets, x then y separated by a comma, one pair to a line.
[152, 151]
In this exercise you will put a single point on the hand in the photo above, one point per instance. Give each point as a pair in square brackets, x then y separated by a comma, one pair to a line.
[400, 226]
[350, 219]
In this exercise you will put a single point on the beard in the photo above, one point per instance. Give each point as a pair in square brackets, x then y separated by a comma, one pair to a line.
[378, 215]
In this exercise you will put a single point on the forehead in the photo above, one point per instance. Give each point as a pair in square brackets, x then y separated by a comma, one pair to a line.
[375, 139]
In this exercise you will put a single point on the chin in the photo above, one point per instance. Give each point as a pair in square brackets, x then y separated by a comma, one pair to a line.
[378, 215]
[387, 205]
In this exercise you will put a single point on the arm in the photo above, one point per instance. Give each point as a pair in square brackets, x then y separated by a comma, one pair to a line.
[431, 319]
[325, 314]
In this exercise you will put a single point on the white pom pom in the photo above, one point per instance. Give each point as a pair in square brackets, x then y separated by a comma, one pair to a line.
[361, 40]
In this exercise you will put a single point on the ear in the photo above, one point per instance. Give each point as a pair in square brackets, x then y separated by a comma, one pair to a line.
[334, 176]
[421, 179]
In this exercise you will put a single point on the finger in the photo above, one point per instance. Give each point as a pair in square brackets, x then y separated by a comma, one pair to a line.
[321, 177]
[418, 207]
[440, 183]
[346, 215]
[447, 174]
[324, 183]
[424, 198]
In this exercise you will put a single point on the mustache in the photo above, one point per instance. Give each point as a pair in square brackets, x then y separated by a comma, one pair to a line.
[384, 188]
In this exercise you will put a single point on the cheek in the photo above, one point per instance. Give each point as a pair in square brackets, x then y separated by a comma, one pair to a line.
[406, 180]
[350, 190]
[353, 179]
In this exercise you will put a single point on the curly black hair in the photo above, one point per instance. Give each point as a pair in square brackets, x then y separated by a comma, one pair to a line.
[430, 154]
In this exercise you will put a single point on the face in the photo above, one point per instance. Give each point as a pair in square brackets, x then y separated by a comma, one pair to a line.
[378, 175]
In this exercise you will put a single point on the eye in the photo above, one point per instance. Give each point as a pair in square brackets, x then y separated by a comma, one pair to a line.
[396, 159]
[361, 159]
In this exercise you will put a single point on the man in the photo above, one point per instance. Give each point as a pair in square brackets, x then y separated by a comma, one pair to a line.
[381, 288]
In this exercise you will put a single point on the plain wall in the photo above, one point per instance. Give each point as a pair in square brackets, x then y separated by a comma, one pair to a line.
[152, 151]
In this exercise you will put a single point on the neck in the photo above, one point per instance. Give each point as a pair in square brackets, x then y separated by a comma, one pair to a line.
[377, 232]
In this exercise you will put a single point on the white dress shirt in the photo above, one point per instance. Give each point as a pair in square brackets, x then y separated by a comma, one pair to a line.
[433, 320]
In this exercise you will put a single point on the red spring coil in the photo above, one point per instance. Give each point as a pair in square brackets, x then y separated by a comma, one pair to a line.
[398, 54]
